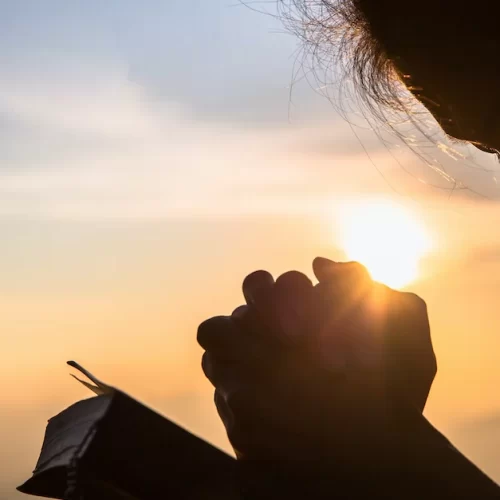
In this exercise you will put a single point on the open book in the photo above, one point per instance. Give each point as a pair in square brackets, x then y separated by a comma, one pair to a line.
[112, 447]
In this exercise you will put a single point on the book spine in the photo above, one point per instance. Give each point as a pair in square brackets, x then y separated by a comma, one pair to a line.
[73, 488]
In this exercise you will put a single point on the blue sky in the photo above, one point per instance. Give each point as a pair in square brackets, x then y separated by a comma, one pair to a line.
[218, 59]
[111, 95]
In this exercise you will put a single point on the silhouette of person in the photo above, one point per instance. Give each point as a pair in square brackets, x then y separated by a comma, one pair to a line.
[321, 388]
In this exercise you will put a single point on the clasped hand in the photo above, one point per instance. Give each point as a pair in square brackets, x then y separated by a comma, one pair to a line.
[306, 371]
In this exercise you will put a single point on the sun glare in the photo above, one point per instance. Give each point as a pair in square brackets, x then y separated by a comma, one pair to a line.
[387, 238]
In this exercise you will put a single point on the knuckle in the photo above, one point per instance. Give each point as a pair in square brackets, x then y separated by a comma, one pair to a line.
[207, 365]
[256, 281]
[359, 270]
[220, 403]
[224, 412]
[260, 276]
[240, 312]
[293, 279]
[210, 330]
[433, 365]
[354, 264]
[416, 302]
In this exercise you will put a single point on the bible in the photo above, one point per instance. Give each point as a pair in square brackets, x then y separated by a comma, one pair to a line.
[112, 447]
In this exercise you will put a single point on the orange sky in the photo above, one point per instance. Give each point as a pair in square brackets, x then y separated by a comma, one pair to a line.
[134, 323]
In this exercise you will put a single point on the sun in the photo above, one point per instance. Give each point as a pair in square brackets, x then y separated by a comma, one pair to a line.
[388, 238]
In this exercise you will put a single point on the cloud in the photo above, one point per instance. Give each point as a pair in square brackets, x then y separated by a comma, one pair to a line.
[83, 149]
[81, 141]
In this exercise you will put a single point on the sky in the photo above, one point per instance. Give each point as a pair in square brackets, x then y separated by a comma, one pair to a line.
[154, 153]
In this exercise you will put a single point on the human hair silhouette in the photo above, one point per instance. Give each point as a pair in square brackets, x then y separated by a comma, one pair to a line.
[442, 53]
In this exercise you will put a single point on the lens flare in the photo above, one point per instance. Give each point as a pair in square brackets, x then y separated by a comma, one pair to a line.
[387, 238]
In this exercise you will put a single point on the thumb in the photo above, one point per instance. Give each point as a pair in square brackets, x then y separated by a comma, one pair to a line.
[324, 269]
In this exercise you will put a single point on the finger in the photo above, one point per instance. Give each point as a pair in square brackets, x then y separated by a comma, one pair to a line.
[247, 430]
[239, 384]
[254, 283]
[409, 322]
[341, 325]
[348, 281]
[324, 269]
[328, 270]
[225, 413]
[411, 356]
[293, 292]
[337, 298]
[293, 281]
[215, 332]
[258, 289]
[342, 286]
[222, 336]
[240, 313]
[358, 272]
[226, 376]
[255, 324]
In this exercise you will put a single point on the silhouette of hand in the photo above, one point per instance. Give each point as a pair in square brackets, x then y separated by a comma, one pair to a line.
[302, 369]
[368, 326]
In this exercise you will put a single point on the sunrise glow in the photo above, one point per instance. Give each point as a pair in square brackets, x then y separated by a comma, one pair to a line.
[389, 239]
